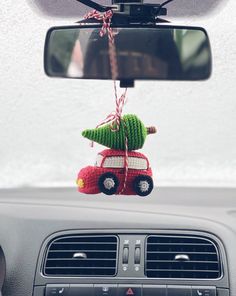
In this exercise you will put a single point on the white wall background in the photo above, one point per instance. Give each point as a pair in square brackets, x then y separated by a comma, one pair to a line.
[41, 118]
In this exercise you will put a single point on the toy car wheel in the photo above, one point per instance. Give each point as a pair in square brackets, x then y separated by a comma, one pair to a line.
[108, 183]
[143, 185]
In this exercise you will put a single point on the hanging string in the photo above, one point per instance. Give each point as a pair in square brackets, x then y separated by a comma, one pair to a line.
[106, 18]
[114, 118]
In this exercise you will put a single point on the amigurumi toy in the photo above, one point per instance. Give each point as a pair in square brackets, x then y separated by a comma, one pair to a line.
[116, 170]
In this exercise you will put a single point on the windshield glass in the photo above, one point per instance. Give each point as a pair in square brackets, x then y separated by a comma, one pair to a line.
[99, 159]
[42, 118]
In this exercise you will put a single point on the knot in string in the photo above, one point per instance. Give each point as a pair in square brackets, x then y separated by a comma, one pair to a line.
[114, 118]
[106, 19]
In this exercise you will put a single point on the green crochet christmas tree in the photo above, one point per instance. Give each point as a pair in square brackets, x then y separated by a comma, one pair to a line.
[135, 130]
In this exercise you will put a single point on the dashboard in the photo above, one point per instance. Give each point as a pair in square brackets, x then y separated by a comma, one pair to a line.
[177, 242]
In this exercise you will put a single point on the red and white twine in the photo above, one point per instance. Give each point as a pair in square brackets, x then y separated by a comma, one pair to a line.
[114, 117]
[126, 164]
[106, 18]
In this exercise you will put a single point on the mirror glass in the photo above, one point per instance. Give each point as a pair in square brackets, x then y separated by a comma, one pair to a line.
[143, 53]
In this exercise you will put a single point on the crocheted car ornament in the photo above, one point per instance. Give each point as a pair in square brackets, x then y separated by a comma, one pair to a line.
[110, 175]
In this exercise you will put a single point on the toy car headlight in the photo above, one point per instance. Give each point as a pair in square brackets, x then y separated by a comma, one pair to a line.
[80, 183]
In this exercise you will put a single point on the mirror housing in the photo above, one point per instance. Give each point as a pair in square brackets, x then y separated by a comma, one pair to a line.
[144, 52]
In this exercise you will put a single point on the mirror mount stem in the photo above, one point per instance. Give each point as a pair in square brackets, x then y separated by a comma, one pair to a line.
[96, 6]
[129, 11]
[126, 83]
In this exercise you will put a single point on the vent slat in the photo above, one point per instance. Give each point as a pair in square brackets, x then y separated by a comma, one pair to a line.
[181, 248]
[98, 256]
[83, 243]
[185, 270]
[200, 257]
[170, 261]
[75, 250]
[79, 267]
[87, 247]
[174, 252]
[90, 255]
[81, 273]
[179, 244]
[69, 259]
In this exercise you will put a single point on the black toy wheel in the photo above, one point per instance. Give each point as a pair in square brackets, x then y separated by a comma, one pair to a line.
[143, 185]
[108, 183]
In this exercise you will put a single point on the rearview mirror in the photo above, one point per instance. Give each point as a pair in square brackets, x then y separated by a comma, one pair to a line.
[150, 52]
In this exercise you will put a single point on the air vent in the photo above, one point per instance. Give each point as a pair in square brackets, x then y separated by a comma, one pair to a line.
[181, 257]
[82, 256]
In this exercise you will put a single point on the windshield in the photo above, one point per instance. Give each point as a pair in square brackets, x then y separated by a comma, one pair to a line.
[99, 160]
[42, 118]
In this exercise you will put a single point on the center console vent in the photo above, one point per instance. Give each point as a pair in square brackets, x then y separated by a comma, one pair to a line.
[81, 256]
[176, 256]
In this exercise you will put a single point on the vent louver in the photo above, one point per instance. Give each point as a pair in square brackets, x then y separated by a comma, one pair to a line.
[79, 255]
[192, 257]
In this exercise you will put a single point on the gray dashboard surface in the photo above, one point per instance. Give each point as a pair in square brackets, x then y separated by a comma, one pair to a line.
[29, 216]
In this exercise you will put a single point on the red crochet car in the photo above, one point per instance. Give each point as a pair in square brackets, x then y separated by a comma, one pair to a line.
[107, 175]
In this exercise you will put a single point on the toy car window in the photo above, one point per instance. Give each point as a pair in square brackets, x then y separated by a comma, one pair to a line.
[99, 159]
[135, 163]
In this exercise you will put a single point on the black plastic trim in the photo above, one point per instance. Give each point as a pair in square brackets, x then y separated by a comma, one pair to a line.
[130, 276]
[212, 241]
[43, 269]
[153, 26]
